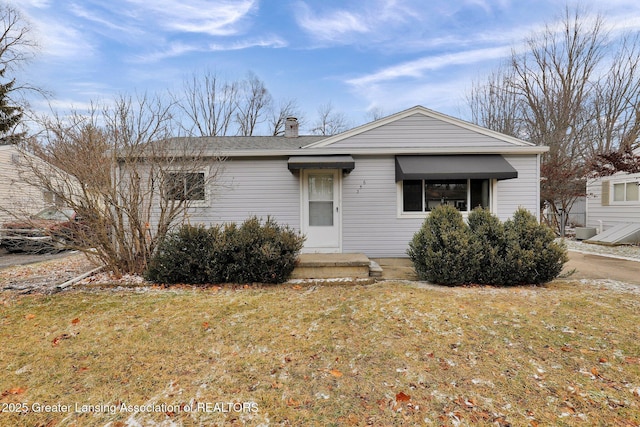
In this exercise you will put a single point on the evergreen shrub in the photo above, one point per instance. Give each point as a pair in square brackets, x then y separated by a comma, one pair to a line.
[252, 252]
[448, 251]
[183, 257]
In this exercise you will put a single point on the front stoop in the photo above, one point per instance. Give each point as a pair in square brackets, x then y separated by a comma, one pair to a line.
[331, 266]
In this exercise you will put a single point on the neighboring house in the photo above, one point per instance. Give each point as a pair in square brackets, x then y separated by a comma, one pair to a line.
[367, 190]
[614, 202]
[17, 197]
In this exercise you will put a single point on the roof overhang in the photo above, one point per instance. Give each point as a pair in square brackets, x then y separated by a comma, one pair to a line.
[344, 162]
[471, 166]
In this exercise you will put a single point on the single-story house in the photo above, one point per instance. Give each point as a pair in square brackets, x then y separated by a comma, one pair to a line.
[18, 197]
[613, 207]
[368, 190]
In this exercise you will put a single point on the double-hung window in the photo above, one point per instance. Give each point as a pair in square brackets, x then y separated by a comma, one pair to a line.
[185, 186]
[464, 194]
[628, 191]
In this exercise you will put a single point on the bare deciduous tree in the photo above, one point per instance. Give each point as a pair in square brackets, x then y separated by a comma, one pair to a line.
[329, 122]
[375, 113]
[278, 117]
[564, 91]
[253, 102]
[16, 48]
[616, 106]
[129, 180]
[495, 104]
[209, 104]
[16, 44]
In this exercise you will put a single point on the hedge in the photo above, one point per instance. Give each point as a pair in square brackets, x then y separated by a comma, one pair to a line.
[448, 251]
[252, 252]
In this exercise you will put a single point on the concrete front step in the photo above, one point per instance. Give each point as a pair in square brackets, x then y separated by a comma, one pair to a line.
[330, 266]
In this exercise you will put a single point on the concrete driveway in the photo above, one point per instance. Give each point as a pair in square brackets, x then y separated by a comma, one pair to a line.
[20, 258]
[590, 266]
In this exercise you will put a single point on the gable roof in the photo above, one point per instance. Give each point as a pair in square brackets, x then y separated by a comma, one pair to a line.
[416, 130]
[419, 127]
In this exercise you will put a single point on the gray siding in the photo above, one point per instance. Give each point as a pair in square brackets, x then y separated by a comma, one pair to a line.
[370, 221]
[613, 213]
[370, 204]
[261, 187]
[369, 210]
[17, 198]
[419, 131]
[523, 191]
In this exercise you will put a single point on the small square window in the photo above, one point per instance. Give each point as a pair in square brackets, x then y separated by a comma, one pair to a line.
[185, 186]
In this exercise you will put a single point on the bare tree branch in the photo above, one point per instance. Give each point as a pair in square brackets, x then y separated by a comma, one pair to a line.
[278, 117]
[121, 170]
[209, 104]
[253, 102]
[329, 122]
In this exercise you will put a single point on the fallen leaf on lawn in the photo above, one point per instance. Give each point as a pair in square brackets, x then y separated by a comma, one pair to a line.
[595, 372]
[205, 325]
[566, 349]
[16, 390]
[335, 373]
[30, 316]
[291, 402]
[629, 359]
[401, 397]
[75, 321]
[602, 360]
[297, 287]
[59, 338]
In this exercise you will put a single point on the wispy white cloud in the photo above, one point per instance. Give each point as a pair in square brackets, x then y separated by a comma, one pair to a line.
[171, 50]
[331, 26]
[343, 25]
[177, 49]
[103, 21]
[59, 40]
[219, 18]
[417, 68]
[269, 42]
[35, 3]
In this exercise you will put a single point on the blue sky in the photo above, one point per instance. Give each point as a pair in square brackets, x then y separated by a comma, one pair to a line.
[356, 54]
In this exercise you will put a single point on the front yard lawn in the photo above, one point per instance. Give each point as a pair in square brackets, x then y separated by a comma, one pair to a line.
[383, 354]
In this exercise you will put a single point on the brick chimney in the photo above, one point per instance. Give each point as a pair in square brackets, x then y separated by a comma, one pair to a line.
[291, 127]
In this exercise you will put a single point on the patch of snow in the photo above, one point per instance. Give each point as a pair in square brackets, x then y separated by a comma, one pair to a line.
[628, 252]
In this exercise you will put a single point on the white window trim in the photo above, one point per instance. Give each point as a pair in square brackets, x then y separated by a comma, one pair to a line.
[207, 197]
[625, 202]
[400, 214]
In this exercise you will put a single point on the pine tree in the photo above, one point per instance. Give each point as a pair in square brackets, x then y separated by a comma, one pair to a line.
[10, 115]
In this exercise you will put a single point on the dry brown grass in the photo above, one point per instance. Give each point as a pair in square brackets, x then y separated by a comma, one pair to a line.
[384, 354]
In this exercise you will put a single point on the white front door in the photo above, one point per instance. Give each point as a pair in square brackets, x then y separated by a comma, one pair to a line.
[321, 210]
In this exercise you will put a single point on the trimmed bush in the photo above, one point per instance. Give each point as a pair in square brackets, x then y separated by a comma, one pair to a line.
[443, 251]
[538, 257]
[183, 257]
[256, 252]
[448, 251]
[493, 245]
[252, 252]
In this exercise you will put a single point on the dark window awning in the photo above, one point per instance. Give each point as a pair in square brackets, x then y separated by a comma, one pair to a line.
[343, 162]
[472, 166]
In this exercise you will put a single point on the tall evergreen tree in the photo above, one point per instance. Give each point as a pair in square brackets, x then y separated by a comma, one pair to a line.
[10, 115]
